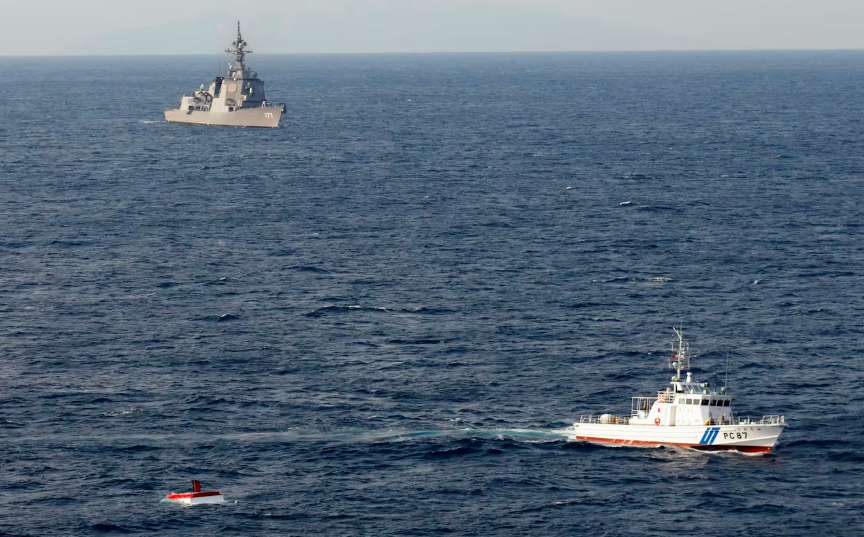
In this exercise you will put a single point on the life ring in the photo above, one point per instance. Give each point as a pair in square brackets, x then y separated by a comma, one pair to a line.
[656, 421]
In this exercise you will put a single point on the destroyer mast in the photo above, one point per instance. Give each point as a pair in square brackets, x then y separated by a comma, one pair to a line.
[237, 49]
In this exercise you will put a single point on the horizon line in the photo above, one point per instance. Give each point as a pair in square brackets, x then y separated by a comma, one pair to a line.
[418, 53]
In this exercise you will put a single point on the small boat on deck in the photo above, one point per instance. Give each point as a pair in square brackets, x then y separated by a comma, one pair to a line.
[688, 413]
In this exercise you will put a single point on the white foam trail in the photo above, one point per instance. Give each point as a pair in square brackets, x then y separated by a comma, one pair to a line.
[296, 435]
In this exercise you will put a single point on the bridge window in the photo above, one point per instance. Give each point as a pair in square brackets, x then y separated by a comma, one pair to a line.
[704, 402]
[727, 402]
[688, 401]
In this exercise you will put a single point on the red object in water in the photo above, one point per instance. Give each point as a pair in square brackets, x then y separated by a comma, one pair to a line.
[193, 495]
[196, 496]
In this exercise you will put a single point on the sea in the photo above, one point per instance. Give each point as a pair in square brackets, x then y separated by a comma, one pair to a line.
[371, 320]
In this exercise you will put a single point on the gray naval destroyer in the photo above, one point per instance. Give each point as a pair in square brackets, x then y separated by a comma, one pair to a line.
[235, 100]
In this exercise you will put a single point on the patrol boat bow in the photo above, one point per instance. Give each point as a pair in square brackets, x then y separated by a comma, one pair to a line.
[235, 100]
[688, 414]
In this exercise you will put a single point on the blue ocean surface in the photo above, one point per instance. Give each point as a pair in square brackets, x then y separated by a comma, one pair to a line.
[370, 320]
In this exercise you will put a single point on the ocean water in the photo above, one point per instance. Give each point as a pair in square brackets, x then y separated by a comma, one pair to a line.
[369, 321]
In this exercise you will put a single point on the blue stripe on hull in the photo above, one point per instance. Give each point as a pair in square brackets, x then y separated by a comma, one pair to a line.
[710, 435]
[714, 436]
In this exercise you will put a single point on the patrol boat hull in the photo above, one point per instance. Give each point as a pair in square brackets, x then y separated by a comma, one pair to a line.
[746, 438]
[268, 117]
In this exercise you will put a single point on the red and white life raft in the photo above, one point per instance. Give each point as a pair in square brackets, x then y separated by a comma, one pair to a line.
[197, 496]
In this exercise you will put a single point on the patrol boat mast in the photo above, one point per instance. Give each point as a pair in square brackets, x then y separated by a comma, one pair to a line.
[682, 357]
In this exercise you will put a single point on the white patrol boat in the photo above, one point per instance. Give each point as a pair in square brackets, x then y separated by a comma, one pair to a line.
[688, 414]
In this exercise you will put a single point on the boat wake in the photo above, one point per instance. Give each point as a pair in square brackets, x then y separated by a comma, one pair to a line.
[522, 435]
[345, 436]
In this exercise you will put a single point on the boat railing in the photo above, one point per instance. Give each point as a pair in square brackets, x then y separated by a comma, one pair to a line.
[639, 406]
[609, 419]
[723, 420]
[666, 397]
[605, 419]
[644, 404]
[747, 420]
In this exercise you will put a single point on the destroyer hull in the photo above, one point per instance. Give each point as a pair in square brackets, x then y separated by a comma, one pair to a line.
[251, 117]
[752, 438]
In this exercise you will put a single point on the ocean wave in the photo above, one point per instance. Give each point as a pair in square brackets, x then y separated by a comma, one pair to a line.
[327, 310]
[314, 270]
[635, 279]
[415, 341]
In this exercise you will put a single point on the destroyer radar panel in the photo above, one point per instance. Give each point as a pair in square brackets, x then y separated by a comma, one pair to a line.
[235, 100]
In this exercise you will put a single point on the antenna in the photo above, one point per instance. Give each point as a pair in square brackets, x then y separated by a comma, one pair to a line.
[238, 49]
[726, 382]
[682, 356]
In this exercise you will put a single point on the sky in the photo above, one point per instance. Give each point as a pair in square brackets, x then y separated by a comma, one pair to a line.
[147, 27]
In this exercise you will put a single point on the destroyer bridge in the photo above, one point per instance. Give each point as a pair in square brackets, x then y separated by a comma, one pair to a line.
[688, 413]
[237, 99]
